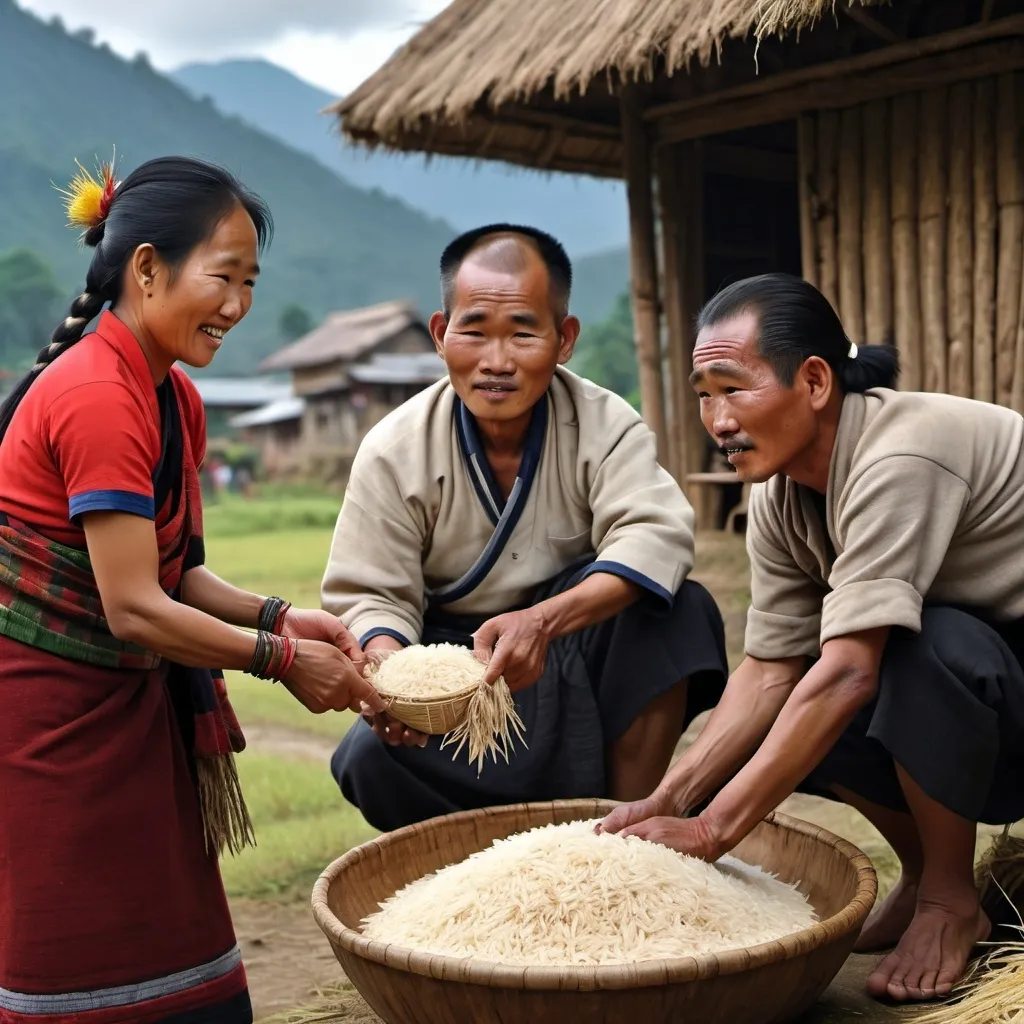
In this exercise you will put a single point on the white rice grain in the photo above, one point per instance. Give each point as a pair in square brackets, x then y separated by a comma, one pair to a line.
[562, 895]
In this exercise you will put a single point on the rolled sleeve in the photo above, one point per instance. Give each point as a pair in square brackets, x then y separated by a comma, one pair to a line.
[784, 619]
[895, 521]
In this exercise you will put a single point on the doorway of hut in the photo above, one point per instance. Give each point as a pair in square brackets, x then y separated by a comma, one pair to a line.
[751, 226]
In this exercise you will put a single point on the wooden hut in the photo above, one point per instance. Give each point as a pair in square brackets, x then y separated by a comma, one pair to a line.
[876, 148]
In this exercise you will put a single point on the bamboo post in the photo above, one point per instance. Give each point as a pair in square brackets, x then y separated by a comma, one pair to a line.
[667, 171]
[932, 175]
[985, 220]
[828, 158]
[1010, 198]
[851, 218]
[807, 161]
[878, 327]
[636, 151]
[960, 241]
[680, 196]
[906, 297]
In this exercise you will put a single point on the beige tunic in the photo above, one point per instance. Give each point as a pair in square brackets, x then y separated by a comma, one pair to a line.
[925, 502]
[421, 506]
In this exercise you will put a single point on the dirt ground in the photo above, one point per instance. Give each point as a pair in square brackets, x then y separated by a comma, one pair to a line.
[290, 963]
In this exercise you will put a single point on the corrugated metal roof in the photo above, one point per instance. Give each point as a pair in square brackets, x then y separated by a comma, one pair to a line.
[281, 411]
[241, 392]
[399, 368]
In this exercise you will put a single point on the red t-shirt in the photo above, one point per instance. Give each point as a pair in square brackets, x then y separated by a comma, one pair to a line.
[87, 436]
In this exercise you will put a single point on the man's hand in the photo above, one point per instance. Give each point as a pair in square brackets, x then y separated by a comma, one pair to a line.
[692, 836]
[657, 805]
[386, 728]
[514, 645]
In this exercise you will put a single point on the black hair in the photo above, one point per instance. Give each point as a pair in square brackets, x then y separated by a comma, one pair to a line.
[794, 322]
[551, 252]
[174, 203]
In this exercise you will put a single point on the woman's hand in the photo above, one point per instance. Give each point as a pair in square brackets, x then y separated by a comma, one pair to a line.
[313, 624]
[321, 678]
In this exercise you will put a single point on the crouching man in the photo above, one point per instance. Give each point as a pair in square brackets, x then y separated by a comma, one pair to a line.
[885, 637]
[519, 510]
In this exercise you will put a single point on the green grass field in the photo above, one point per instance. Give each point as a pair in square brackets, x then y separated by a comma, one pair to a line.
[279, 546]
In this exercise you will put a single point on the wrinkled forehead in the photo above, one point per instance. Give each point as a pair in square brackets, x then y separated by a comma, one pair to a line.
[730, 342]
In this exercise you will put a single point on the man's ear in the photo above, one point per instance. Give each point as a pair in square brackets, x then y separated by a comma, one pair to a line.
[819, 380]
[438, 325]
[568, 336]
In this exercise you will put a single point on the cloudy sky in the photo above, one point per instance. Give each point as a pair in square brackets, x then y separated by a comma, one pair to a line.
[332, 43]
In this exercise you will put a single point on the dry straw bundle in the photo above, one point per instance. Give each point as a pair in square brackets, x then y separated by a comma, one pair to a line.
[440, 689]
[992, 991]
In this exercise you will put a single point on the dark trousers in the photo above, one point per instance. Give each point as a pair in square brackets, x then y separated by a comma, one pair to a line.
[950, 712]
[595, 684]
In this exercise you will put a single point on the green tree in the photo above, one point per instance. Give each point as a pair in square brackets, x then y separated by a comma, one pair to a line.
[30, 306]
[606, 353]
[295, 321]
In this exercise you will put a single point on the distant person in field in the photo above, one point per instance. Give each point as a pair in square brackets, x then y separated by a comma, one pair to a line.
[885, 638]
[519, 510]
[117, 740]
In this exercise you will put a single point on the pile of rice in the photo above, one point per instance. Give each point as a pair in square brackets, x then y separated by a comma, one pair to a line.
[562, 895]
[439, 670]
[428, 670]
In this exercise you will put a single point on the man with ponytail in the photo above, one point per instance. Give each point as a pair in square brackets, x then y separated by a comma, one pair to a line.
[117, 740]
[885, 638]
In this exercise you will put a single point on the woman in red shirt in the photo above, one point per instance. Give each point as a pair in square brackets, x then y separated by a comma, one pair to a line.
[116, 737]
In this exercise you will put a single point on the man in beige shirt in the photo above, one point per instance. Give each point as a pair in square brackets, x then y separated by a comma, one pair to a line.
[885, 636]
[519, 510]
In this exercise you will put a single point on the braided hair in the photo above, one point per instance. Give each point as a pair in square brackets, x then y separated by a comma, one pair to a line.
[173, 203]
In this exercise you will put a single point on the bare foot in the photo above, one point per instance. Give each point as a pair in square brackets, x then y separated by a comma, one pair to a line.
[933, 953]
[887, 923]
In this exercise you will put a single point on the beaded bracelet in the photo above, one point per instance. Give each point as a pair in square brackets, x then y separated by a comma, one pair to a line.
[272, 614]
[273, 656]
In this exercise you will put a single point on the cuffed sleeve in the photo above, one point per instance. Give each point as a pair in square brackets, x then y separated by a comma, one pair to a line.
[896, 520]
[643, 525]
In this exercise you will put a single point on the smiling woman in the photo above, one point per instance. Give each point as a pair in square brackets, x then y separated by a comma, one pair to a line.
[117, 740]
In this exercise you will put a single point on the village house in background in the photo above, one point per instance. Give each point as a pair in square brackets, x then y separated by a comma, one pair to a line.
[346, 374]
[876, 148]
[227, 397]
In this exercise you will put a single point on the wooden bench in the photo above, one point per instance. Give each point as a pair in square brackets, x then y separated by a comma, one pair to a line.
[719, 480]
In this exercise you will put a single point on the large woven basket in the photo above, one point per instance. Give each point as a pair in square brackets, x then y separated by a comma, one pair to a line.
[433, 715]
[763, 984]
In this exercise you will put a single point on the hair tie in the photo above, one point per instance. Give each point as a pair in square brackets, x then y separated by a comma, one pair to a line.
[87, 199]
[852, 354]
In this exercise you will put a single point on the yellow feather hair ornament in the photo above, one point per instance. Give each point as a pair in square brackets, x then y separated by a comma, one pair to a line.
[87, 199]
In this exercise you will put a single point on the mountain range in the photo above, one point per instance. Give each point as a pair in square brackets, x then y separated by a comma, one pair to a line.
[586, 214]
[337, 244]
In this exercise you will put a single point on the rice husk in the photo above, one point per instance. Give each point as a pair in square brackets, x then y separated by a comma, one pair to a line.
[424, 671]
[563, 895]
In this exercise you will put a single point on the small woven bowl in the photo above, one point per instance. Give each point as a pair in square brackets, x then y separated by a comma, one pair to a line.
[432, 715]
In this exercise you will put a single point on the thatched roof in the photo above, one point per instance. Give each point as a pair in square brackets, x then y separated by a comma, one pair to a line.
[459, 83]
[346, 336]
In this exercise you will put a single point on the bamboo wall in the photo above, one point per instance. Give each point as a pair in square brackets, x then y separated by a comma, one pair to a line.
[912, 224]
